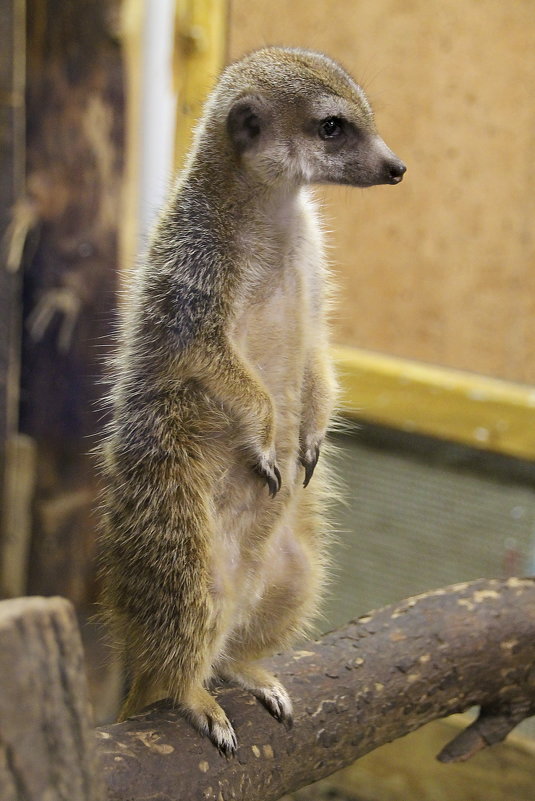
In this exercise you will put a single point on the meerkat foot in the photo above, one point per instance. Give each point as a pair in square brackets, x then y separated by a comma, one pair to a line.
[277, 702]
[205, 714]
[266, 468]
[264, 686]
[310, 453]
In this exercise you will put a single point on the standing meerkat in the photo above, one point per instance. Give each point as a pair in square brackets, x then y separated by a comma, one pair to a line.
[213, 550]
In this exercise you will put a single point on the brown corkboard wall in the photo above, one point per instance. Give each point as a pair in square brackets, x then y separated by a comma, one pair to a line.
[441, 268]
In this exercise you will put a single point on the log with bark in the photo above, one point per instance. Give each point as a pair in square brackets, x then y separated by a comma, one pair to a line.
[355, 689]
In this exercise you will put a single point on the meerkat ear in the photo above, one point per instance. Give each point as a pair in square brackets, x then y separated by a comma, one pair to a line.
[247, 119]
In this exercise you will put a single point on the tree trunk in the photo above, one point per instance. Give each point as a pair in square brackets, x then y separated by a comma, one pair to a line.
[381, 677]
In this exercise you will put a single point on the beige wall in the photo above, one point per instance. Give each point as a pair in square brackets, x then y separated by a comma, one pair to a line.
[441, 268]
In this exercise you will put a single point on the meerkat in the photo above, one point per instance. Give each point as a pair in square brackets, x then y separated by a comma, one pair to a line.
[214, 540]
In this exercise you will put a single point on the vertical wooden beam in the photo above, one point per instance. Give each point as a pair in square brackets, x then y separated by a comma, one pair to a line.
[75, 147]
[200, 52]
[12, 158]
[47, 746]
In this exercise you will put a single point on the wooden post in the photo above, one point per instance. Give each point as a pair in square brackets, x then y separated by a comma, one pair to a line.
[12, 156]
[75, 98]
[199, 55]
[47, 748]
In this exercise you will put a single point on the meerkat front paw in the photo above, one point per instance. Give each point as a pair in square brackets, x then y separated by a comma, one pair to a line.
[266, 468]
[309, 455]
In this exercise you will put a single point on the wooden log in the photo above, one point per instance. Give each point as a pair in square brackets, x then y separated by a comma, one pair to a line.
[382, 676]
[47, 747]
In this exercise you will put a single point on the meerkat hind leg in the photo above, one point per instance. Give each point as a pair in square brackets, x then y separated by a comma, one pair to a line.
[263, 685]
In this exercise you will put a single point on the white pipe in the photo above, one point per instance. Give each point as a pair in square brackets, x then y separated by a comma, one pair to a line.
[158, 111]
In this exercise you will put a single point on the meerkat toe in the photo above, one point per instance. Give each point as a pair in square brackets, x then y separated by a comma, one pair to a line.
[278, 480]
[277, 702]
[219, 730]
[309, 458]
[223, 737]
[203, 711]
[263, 685]
[267, 469]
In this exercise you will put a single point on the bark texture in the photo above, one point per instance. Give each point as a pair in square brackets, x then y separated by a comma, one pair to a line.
[47, 750]
[355, 689]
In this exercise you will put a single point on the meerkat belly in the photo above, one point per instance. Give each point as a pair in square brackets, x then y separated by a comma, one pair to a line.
[271, 337]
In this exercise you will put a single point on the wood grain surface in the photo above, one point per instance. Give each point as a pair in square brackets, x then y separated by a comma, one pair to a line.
[440, 268]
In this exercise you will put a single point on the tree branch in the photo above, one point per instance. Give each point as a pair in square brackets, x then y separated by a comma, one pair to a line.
[355, 689]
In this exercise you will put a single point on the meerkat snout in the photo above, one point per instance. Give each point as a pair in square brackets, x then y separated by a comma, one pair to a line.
[396, 170]
[388, 164]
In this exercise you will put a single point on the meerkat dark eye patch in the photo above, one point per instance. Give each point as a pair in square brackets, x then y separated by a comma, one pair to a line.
[246, 120]
[331, 127]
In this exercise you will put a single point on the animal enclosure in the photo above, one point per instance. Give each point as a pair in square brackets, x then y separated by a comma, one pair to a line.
[437, 272]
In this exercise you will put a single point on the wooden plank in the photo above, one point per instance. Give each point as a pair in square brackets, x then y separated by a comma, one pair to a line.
[199, 54]
[47, 748]
[75, 101]
[12, 158]
[440, 268]
[449, 404]
[17, 516]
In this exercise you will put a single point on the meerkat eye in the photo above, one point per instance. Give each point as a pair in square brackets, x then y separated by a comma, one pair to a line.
[330, 127]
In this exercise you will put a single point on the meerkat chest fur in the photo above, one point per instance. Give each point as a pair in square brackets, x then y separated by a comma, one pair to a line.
[281, 304]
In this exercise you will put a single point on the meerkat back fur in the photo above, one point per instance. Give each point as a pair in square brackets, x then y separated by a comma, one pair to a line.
[214, 533]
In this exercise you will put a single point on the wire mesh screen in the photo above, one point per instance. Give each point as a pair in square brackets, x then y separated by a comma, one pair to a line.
[422, 515]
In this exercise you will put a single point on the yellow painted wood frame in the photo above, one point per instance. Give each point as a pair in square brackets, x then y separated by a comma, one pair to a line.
[449, 404]
[199, 54]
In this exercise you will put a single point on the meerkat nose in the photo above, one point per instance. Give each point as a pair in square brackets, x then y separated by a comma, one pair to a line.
[395, 170]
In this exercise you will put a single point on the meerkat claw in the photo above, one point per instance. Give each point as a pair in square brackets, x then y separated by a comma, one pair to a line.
[274, 484]
[288, 722]
[223, 737]
[309, 462]
[278, 478]
[278, 703]
[268, 470]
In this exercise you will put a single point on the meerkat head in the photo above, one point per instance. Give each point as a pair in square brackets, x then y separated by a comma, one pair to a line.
[295, 115]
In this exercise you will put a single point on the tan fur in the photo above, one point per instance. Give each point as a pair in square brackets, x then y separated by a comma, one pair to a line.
[223, 384]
